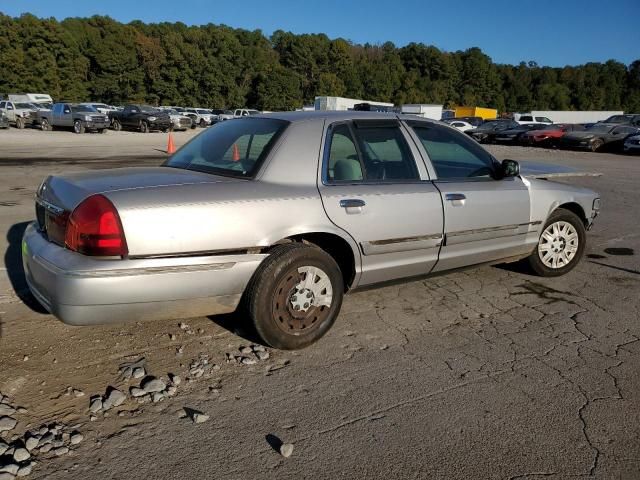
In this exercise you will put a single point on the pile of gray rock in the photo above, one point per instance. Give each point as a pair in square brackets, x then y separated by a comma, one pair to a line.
[18, 453]
[155, 390]
[200, 367]
[249, 355]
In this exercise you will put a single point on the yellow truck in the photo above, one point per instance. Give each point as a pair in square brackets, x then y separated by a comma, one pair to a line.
[484, 113]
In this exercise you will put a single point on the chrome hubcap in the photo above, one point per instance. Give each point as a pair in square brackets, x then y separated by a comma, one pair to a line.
[558, 245]
[313, 290]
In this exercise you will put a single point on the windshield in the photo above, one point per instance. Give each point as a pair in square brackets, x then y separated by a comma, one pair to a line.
[234, 148]
[253, 112]
[148, 109]
[26, 106]
[617, 119]
[203, 111]
[83, 108]
[600, 128]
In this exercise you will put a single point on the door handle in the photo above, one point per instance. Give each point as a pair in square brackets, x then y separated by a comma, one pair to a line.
[352, 203]
[452, 197]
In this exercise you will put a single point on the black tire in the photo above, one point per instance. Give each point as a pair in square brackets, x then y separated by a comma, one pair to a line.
[144, 127]
[596, 145]
[275, 320]
[535, 260]
[103, 130]
[78, 127]
[203, 124]
[20, 123]
[45, 126]
[116, 125]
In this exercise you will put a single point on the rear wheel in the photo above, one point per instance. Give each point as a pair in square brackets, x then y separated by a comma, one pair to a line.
[78, 127]
[295, 296]
[561, 245]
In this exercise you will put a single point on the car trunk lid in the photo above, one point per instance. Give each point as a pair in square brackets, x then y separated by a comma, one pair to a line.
[58, 196]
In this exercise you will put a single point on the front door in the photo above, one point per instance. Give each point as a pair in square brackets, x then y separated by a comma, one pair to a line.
[373, 188]
[486, 218]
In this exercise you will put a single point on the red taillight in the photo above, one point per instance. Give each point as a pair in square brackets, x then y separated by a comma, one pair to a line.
[94, 229]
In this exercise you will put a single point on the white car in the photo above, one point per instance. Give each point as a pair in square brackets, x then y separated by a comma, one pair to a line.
[101, 107]
[204, 117]
[528, 119]
[632, 144]
[460, 125]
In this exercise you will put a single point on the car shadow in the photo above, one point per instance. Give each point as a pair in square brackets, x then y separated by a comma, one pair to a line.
[15, 269]
[238, 324]
[521, 266]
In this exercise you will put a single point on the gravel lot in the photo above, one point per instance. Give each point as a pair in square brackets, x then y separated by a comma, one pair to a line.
[488, 373]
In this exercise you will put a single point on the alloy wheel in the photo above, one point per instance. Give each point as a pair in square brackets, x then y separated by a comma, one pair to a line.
[558, 245]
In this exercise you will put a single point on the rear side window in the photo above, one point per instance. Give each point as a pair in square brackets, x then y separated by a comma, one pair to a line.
[234, 148]
[526, 118]
[369, 151]
[453, 155]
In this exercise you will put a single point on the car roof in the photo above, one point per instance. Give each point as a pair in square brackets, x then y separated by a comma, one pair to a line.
[334, 116]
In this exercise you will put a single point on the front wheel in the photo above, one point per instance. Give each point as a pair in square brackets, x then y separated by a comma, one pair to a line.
[596, 145]
[78, 127]
[45, 125]
[295, 296]
[561, 245]
[116, 125]
[144, 127]
[19, 123]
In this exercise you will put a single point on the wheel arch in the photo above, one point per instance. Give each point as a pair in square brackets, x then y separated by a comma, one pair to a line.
[340, 249]
[576, 208]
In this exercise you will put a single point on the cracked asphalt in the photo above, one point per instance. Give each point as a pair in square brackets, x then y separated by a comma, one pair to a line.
[489, 373]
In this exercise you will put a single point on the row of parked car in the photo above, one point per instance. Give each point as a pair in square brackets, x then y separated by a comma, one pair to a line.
[82, 117]
[619, 133]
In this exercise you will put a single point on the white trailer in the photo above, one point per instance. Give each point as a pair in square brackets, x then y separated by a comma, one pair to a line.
[340, 103]
[426, 110]
[39, 99]
[568, 116]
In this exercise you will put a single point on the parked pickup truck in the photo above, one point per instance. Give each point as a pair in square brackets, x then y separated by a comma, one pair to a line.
[18, 114]
[69, 115]
[143, 118]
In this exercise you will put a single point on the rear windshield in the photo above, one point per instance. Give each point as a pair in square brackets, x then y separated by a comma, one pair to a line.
[600, 128]
[233, 148]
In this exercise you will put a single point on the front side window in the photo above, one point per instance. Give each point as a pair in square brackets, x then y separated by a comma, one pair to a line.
[371, 152]
[453, 155]
[235, 148]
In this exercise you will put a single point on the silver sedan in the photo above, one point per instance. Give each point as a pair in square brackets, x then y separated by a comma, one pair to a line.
[282, 214]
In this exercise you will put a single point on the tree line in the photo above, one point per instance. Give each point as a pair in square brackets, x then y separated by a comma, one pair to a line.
[216, 66]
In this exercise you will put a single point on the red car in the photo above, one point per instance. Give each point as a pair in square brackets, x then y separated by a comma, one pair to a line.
[550, 136]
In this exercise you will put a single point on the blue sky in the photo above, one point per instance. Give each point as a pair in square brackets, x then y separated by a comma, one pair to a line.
[550, 32]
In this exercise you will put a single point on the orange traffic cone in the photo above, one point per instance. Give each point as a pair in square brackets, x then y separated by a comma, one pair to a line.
[236, 153]
[171, 148]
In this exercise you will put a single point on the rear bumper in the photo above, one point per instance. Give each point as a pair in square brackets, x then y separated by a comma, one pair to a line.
[82, 290]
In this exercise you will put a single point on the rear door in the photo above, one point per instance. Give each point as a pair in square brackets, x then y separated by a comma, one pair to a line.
[373, 188]
[485, 219]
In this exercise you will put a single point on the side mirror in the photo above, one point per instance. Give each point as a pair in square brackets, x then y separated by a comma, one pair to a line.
[510, 168]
